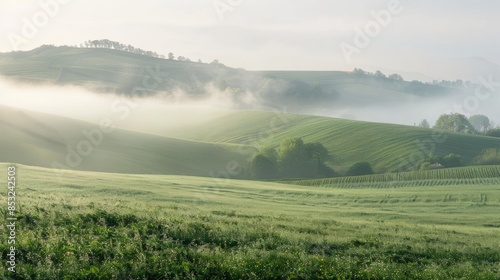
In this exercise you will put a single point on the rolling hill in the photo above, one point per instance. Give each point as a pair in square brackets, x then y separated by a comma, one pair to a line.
[108, 70]
[42, 140]
[233, 137]
[150, 212]
[230, 137]
[387, 147]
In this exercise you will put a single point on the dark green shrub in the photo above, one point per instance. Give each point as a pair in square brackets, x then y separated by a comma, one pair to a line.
[488, 157]
[452, 160]
[425, 166]
[448, 161]
[263, 168]
[360, 168]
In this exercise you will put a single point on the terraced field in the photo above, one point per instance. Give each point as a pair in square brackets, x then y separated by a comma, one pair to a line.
[473, 175]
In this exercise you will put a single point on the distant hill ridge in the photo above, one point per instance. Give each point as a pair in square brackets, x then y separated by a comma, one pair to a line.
[138, 74]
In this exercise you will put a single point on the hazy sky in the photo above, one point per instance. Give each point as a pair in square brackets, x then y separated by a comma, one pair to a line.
[424, 38]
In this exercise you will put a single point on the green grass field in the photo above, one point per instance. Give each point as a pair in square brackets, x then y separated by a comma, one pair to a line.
[88, 225]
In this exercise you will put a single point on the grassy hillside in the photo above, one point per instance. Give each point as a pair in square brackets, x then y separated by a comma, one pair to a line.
[385, 146]
[114, 226]
[99, 69]
[41, 139]
[356, 90]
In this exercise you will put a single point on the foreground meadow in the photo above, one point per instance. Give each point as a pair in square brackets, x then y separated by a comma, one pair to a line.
[85, 225]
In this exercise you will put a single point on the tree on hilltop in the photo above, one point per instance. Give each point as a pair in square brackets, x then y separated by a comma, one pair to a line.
[454, 122]
[481, 123]
[424, 123]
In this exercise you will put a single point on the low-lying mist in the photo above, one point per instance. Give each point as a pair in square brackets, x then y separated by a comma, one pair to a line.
[153, 114]
[411, 113]
[176, 109]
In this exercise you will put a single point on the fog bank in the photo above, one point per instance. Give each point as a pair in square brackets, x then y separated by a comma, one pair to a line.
[176, 109]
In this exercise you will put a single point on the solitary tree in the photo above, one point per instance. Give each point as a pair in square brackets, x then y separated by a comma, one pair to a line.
[481, 123]
[171, 56]
[424, 123]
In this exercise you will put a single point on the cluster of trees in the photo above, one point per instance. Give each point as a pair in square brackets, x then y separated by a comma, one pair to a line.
[475, 124]
[413, 87]
[453, 84]
[108, 44]
[377, 74]
[490, 156]
[291, 159]
[416, 84]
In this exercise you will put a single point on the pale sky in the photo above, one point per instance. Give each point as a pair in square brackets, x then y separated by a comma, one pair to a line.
[424, 38]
